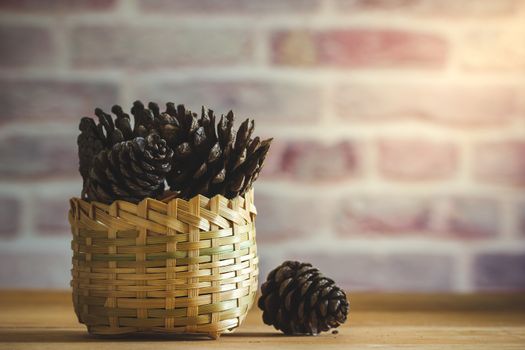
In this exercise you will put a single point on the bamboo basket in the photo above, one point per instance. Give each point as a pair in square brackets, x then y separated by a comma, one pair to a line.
[178, 267]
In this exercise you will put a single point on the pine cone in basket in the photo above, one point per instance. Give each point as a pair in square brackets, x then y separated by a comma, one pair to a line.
[212, 158]
[131, 170]
[209, 157]
[95, 137]
[89, 145]
[297, 299]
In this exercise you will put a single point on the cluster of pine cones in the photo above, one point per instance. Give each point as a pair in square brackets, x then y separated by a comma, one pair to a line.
[121, 158]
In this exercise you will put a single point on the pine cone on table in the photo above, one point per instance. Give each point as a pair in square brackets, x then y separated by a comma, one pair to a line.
[131, 170]
[297, 299]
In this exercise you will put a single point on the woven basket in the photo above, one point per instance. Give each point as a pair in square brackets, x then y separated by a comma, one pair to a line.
[179, 267]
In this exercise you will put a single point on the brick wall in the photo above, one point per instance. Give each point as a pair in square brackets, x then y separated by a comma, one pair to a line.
[399, 160]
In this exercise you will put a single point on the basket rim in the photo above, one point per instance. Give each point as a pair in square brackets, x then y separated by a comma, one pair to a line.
[104, 205]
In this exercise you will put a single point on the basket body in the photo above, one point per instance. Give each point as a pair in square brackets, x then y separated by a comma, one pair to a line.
[179, 267]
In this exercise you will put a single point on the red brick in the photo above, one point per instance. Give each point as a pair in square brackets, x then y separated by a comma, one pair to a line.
[26, 46]
[24, 157]
[9, 216]
[53, 6]
[466, 217]
[52, 100]
[445, 104]
[313, 161]
[433, 7]
[265, 101]
[382, 215]
[159, 46]
[500, 162]
[359, 48]
[282, 217]
[499, 271]
[35, 268]
[50, 215]
[212, 7]
[449, 217]
[496, 50]
[520, 220]
[272, 163]
[417, 159]
[397, 272]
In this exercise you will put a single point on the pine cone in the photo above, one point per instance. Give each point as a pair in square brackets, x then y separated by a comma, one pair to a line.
[95, 137]
[130, 170]
[90, 143]
[297, 299]
[210, 158]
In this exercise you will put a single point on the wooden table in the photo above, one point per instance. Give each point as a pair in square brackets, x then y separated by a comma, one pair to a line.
[45, 320]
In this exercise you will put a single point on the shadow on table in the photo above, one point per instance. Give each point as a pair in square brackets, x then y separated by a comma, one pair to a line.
[51, 335]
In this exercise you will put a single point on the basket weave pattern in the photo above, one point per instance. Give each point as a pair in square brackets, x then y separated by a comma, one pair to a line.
[179, 267]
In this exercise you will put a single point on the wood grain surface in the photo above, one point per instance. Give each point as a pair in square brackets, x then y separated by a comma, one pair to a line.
[45, 320]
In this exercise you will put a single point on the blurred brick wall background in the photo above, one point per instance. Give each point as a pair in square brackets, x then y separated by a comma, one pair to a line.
[399, 160]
